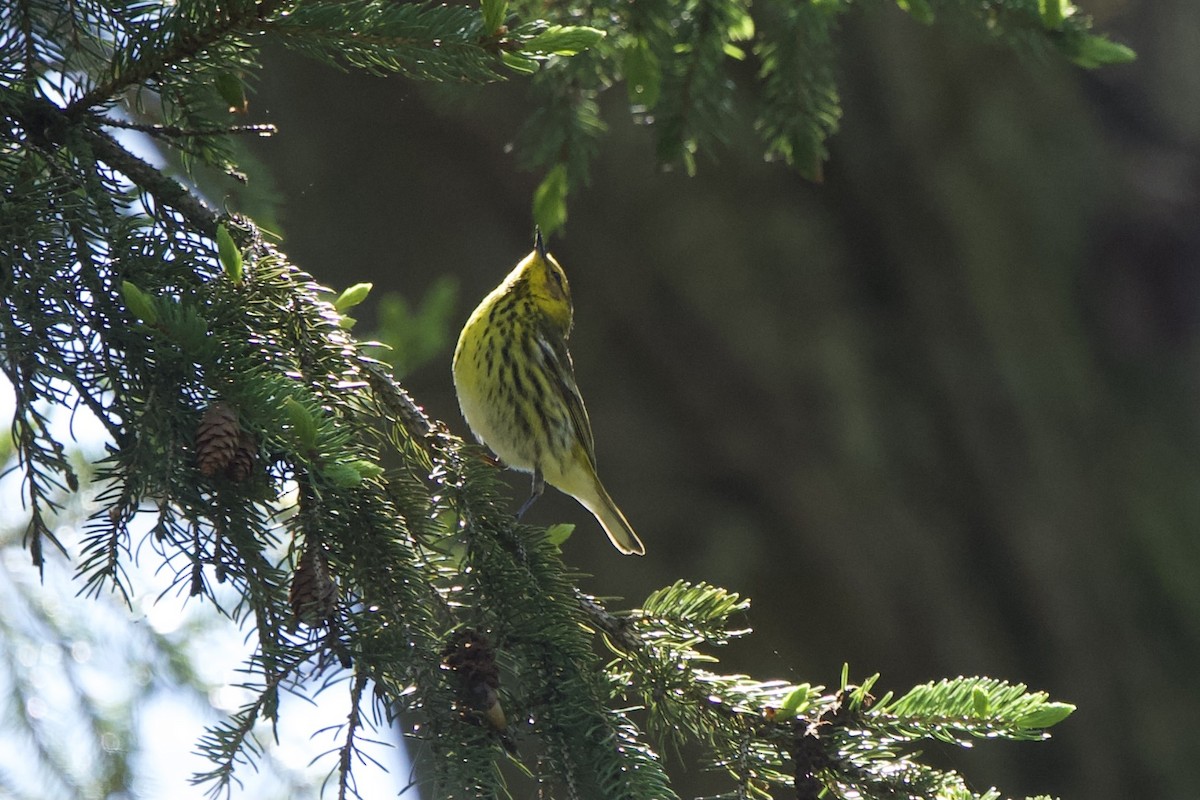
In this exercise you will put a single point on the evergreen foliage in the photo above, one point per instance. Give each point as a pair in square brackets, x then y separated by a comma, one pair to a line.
[366, 542]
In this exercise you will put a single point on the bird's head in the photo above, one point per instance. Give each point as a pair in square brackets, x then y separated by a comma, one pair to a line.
[547, 284]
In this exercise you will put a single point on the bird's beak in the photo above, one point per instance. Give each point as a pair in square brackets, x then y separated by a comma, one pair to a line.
[538, 244]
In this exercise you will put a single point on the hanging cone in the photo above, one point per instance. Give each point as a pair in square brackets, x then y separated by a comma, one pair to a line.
[313, 595]
[245, 454]
[217, 438]
[470, 656]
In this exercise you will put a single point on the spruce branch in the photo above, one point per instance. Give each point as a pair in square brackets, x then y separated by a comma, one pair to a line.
[398, 404]
[420, 40]
[167, 191]
[174, 131]
[769, 734]
[799, 108]
[232, 743]
[180, 40]
[349, 751]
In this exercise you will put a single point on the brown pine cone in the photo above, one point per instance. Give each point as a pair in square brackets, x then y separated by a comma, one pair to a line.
[313, 594]
[217, 438]
[245, 454]
[471, 657]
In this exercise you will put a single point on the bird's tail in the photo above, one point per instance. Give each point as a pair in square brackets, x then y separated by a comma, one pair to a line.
[619, 531]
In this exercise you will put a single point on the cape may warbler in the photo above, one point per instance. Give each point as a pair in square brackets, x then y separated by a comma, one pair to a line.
[516, 387]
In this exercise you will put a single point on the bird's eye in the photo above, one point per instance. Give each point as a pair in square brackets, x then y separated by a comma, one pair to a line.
[559, 279]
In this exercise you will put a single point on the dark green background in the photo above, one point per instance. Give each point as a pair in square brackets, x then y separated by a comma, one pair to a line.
[936, 415]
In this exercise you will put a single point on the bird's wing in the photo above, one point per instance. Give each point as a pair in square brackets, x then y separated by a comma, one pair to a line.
[558, 362]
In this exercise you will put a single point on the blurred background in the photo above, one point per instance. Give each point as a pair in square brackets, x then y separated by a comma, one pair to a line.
[936, 415]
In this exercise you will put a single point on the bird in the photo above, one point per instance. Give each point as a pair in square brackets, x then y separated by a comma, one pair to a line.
[516, 387]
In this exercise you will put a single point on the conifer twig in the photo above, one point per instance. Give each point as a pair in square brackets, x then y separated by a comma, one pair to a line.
[177, 131]
[188, 42]
[166, 190]
[396, 400]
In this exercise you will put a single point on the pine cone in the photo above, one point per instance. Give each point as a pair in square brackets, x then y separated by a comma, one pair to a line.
[470, 656]
[245, 454]
[313, 595]
[217, 438]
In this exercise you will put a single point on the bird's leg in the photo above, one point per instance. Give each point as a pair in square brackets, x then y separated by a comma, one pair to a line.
[539, 485]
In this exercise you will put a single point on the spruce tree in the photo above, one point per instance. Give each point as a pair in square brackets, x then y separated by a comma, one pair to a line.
[276, 455]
